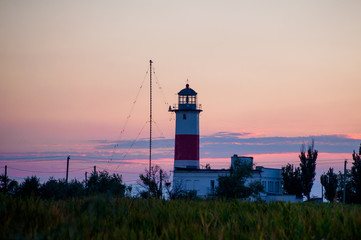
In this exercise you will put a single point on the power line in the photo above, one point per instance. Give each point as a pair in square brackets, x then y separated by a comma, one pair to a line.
[129, 115]
[36, 171]
[161, 89]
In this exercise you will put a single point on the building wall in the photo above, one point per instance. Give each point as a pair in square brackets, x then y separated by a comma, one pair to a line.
[205, 181]
[270, 178]
[202, 181]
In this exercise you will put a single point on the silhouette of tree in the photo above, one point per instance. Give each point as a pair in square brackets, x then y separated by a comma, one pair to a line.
[233, 186]
[30, 187]
[102, 182]
[356, 174]
[292, 180]
[329, 182]
[308, 168]
[55, 189]
[158, 180]
[350, 189]
[8, 185]
[59, 189]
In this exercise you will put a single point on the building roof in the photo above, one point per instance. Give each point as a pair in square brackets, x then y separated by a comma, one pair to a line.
[187, 91]
[179, 169]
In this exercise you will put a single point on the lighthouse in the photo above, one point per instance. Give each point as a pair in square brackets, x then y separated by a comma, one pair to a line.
[186, 150]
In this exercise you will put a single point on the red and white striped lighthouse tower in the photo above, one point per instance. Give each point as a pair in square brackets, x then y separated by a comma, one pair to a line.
[186, 150]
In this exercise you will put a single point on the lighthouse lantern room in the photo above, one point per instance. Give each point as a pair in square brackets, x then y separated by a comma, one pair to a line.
[186, 151]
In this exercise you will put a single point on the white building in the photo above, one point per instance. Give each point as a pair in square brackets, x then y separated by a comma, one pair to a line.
[205, 181]
[187, 173]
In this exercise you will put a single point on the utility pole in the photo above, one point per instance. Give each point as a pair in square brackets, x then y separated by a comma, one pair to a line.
[6, 179]
[150, 123]
[95, 169]
[67, 168]
[344, 182]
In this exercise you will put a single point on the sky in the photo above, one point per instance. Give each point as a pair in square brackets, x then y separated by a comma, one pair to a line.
[270, 75]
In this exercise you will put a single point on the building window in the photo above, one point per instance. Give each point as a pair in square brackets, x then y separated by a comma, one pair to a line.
[264, 185]
[277, 187]
[184, 117]
[270, 186]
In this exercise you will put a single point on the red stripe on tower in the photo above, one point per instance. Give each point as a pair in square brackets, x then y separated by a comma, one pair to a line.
[186, 147]
[186, 150]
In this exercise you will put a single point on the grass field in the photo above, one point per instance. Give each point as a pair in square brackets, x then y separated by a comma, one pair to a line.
[112, 218]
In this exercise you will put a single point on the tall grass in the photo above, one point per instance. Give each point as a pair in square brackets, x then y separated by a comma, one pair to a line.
[113, 218]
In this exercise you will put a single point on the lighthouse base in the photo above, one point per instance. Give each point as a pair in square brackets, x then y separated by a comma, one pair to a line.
[186, 164]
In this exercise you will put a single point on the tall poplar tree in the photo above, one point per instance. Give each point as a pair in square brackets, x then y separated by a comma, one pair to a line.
[329, 182]
[308, 168]
[356, 174]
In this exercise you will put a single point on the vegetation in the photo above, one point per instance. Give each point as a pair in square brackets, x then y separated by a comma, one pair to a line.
[350, 189]
[155, 182]
[124, 218]
[292, 180]
[299, 181]
[104, 183]
[98, 183]
[329, 182]
[7, 185]
[356, 174]
[308, 168]
[233, 186]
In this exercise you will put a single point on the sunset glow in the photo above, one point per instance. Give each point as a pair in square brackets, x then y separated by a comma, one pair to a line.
[270, 75]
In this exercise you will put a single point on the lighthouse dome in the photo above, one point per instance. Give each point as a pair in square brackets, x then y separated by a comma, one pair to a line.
[187, 91]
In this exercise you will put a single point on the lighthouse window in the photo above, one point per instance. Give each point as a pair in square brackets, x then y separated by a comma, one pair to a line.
[184, 116]
[182, 100]
[187, 99]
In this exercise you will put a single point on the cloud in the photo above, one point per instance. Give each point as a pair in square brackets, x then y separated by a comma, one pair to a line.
[228, 144]
[217, 145]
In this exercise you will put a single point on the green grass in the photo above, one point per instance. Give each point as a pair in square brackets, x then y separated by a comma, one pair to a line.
[112, 218]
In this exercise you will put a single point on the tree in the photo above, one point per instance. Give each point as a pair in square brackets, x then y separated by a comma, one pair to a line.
[59, 189]
[7, 185]
[356, 174]
[104, 183]
[292, 180]
[30, 187]
[74, 189]
[350, 189]
[233, 186]
[308, 168]
[53, 189]
[154, 183]
[329, 182]
[256, 188]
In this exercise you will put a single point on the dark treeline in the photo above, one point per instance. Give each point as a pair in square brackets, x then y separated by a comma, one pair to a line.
[350, 182]
[98, 183]
[299, 180]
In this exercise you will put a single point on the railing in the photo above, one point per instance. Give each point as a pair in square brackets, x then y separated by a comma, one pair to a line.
[176, 107]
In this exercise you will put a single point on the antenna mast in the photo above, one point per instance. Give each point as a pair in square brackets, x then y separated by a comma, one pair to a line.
[150, 126]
